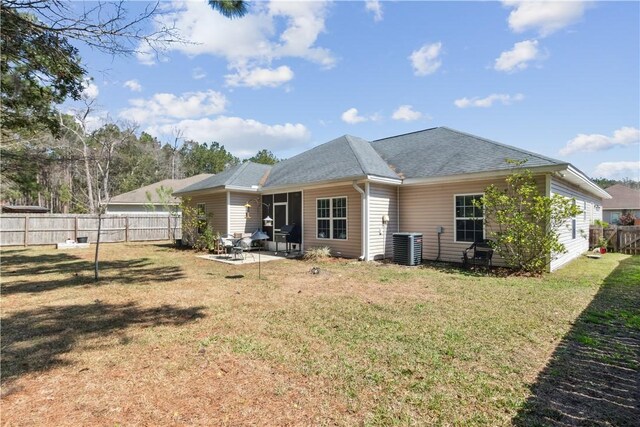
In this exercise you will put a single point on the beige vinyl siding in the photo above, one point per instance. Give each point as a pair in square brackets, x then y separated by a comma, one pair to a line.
[382, 201]
[580, 244]
[351, 247]
[425, 207]
[216, 208]
[238, 222]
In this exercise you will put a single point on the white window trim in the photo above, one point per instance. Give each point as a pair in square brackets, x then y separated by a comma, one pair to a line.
[455, 218]
[331, 218]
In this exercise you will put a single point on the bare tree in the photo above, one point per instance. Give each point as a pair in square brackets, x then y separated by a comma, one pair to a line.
[177, 136]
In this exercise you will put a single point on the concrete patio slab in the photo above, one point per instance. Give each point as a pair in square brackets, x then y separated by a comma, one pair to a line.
[252, 258]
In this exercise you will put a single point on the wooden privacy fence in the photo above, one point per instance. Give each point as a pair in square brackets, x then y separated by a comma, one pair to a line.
[624, 239]
[49, 229]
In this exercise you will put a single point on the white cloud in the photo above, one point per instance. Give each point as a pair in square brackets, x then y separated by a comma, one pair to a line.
[166, 106]
[133, 85]
[198, 73]
[426, 59]
[243, 137]
[351, 116]
[374, 7]
[488, 101]
[406, 113]
[518, 57]
[89, 90]
[619, 170]
[624, 136]
[260, 77]
[269, 32]
[544, 16]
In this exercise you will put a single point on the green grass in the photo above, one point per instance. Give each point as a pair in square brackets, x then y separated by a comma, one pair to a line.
[373, 345]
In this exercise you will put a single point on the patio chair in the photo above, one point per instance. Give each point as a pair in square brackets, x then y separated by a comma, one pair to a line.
[241, 248]
[227, 243]
[479, 253]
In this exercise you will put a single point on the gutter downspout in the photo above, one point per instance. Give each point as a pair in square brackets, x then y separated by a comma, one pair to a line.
[363, 198]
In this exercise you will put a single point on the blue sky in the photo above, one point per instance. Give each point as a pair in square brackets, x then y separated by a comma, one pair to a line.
[558, 78]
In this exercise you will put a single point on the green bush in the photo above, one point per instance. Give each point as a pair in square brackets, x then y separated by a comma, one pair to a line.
[523, 223]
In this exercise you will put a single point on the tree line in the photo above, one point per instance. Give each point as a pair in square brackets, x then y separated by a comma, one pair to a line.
[77, 171]
[52, 159]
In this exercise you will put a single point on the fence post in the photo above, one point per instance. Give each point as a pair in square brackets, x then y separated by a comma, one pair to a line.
[126, 228]
[168, 226]
[26, 230]
[75, 228]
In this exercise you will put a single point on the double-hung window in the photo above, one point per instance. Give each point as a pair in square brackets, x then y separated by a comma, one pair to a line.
[331, 216]
[469, 218]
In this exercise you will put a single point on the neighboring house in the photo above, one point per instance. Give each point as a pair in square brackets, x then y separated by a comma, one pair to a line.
[136, 201]
[24, 209]
[352, 195]
[623, 200]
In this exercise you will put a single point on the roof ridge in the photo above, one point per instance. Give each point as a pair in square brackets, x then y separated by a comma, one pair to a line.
[355, 152]
[408, 133]
[490, 141]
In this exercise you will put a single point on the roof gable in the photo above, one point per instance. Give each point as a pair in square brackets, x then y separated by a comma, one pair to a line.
[442, 151]
[346, 157]
[247, 175]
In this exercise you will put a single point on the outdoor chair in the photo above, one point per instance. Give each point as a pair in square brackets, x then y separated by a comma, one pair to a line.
[226, 243]
[479, 253]
[241, 248]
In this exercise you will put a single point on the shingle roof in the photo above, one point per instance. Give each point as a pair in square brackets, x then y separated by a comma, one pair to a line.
[622, 197]
[442, 151]
[247, 174]
[343, 158]
[139, 195]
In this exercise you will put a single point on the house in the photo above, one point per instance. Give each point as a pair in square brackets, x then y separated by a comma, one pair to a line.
[352, 195]
[136, 201]
[623, 200]
[24, 209]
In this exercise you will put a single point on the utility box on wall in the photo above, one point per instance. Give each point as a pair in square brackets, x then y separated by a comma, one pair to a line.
[407, 248]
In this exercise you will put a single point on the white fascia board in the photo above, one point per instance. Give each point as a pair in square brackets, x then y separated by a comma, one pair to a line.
[578, 178]
[242, 189]
[381, 180]
[478, 175]
[310, 186]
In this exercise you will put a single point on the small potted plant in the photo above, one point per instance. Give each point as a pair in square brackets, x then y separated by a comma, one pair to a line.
[602, 243]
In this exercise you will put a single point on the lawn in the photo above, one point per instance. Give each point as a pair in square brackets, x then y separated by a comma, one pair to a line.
[166, 338]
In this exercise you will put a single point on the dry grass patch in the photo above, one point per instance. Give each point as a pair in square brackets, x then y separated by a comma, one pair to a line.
[168, 338]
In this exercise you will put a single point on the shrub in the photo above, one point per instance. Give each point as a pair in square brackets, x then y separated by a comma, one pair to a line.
[317, 254]
[524, 223]
[627, 218]
[601, 223]
[207, 240]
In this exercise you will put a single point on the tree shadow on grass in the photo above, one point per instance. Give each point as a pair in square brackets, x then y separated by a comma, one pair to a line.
[36, 340]
[77, 272]
[593, 378]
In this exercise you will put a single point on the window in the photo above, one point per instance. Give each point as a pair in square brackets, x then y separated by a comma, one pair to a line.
[469, 219]
[331, 216]
[201, 209]
[615, 217]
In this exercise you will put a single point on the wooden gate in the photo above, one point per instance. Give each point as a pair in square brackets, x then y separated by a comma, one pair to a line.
[624, 239]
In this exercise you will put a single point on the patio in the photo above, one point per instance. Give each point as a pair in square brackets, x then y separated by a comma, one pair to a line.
[250, 257]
